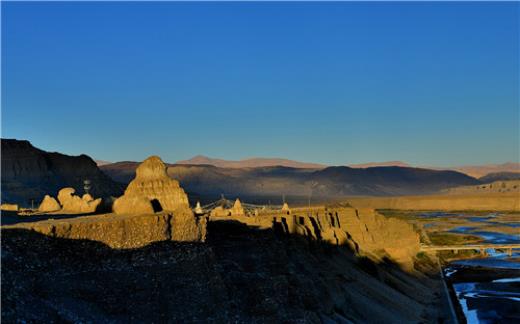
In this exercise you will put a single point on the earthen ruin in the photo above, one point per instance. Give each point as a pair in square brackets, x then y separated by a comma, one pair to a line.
[71, 203]
[151, 191]
[68, 203]
[49, 204]
[365, 231]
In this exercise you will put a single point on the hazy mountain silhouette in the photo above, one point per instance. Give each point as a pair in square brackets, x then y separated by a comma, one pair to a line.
[380, 164]
[250, 163]
[273, 182]
[498, 176]
[30, 173]
[478, 171]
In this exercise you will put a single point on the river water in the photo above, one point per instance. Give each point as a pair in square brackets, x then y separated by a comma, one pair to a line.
[487, 289]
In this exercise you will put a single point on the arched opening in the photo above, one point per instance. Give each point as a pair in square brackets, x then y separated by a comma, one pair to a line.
[156, 205]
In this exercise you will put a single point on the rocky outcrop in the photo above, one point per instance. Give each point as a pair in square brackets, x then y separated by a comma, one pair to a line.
[49, 204]
[152, 190]
[364, 230]
[28, 174]
[377, 235]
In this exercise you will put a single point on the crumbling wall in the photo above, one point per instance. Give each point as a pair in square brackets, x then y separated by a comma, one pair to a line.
[122, 231]
[364, 230]
[69, 203]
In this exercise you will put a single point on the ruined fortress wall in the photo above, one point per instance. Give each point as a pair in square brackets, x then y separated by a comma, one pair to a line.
[364, 230]
[122, 232]
[488, 201]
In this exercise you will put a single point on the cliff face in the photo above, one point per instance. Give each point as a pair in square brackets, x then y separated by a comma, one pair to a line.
[30, 173]
[367, 232]
[239, 275]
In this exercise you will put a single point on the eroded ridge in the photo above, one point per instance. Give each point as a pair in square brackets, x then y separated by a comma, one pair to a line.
[364, 230]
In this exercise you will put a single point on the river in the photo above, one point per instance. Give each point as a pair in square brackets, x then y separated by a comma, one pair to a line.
[488, 288]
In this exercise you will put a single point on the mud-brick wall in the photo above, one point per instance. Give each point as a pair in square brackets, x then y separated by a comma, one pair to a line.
[123, 231]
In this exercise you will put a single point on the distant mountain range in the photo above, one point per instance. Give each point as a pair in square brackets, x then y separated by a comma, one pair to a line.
[296, 184]
[478, 171]
[379, 164]
[497, 176]
[101, 162]
[30, 173]
[475, 171]
[250, 163]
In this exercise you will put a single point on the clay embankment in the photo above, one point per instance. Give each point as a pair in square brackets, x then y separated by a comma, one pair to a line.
[121, 231]
[509, 201]
[238, 275]
[365, 231]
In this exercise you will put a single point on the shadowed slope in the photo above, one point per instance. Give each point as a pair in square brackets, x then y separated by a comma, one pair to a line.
[30, 173]
[240, 275]
[273, 182]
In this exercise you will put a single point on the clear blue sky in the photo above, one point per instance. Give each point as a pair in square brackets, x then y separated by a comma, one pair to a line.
[337, 83]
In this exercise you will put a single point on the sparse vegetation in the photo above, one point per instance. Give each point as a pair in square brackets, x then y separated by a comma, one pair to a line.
[443, 238]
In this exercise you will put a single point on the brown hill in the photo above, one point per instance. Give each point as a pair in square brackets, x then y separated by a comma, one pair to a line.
[379, 164]
[497, 176]
[265, 183]
[29, 173]
[250, 163]
[478, 171]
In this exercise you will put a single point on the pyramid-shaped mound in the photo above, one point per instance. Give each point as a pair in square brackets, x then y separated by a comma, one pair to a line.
[151, 191]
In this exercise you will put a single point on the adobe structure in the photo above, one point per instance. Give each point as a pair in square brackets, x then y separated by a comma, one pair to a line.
[151, 191]
[365, 231]
[68, 203]
[155, 208]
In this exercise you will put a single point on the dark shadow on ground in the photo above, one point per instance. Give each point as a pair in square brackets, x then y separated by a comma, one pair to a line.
[239, 275]
[11, 218]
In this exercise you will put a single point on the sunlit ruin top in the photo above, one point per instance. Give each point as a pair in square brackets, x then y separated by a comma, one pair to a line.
[151, 191]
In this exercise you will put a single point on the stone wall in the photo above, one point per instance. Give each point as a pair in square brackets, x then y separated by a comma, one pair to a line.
[123, 231]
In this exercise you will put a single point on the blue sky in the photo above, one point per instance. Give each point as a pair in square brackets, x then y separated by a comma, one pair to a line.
[336, 83]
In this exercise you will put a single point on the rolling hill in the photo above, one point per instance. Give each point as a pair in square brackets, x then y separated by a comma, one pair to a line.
[297, 184]
[250, 163]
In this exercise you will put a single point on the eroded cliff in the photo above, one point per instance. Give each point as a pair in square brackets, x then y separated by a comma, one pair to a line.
[28, 174]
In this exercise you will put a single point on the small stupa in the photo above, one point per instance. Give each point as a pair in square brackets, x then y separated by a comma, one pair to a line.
[286, 209]
[198, 209]
[237, 209]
